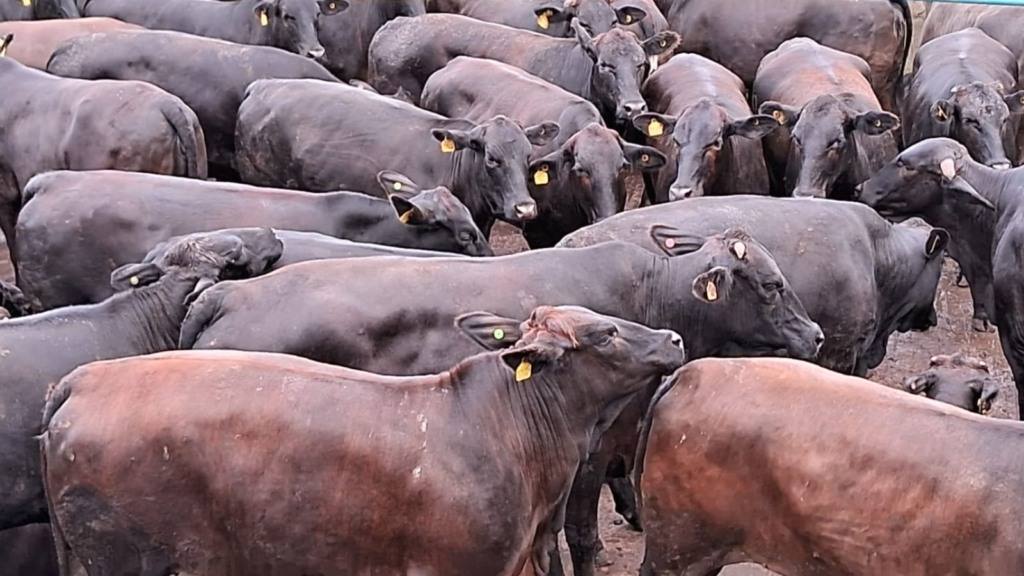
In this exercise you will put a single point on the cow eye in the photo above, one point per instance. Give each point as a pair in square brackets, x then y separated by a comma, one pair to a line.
[492, 161]
[771, 287]
[606, 67]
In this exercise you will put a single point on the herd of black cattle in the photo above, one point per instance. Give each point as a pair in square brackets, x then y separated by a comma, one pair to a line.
[309, 188]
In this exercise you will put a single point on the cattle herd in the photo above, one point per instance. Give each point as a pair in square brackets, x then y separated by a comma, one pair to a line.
[258, 327]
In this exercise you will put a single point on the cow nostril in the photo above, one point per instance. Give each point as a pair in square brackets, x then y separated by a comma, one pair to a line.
[680, 193]
[634, 108]
[317, 52]
[819, 338]
[526, 209]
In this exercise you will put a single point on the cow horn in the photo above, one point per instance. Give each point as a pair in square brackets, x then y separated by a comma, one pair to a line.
[948, 167]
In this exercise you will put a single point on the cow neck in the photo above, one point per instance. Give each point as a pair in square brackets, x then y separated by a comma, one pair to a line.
[464, 178]
[670, 304]
[545, 421]
[992, 184]
[153, 312]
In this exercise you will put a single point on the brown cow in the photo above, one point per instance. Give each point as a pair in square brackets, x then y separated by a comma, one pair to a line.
[37, 39]
[958, 380]
[52, 123]
[280, 466]
[809, 472]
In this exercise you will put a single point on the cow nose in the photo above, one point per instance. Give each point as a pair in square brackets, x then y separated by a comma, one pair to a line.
[680, 193]
[819, 339]
[1001, 165]
[858, 190]
[808, 193]
[676, 339]
[316, 52]
[526, 210]
[634, 108]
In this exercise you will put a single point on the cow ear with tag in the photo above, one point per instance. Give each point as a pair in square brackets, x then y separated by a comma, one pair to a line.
[544, 170]
[655, 125]
[490, 331]
[643, 157]
[661, 43]
[628, 15]
[674, 241]
[713, 285]
[550, 12]
[753, 127]
[529, 360]
[954, 182]
[454, 140]
[332, 7]
[135, 275]
[264, 10]
[1015, 102]
[942, 112]
[937, 241]
[584, 38]
[920, 384]
[874, 123]
[542, 134]
[410, 211]
[785, 115]
[395, 183]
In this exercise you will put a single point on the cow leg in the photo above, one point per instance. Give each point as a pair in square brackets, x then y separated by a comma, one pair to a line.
[581, 514]
[625, 501]
[1012, 341]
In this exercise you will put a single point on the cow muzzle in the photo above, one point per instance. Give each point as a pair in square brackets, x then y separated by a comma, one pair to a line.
[677, 193]
[627, 110]
[526, 210]
[316, 52]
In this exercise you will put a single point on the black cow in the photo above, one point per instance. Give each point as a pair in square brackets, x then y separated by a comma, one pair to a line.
[286, 24]
[726, 295]
[551, 17]
[580, 178]
[346, 36]
[958, 380]
[738, 33]
[144, 318]
[606, 69]
[1003, 23]
[837, 134]
[52, 123]
[78, 226]
[209, 75]
[885, 276]
[304, 246]
[938, 176]
[958, 89]
[702, 118]
[320, 136]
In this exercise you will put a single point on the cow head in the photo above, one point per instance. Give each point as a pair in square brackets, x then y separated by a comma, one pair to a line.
[594, 158]
[435, 208]
[496, 155]
[206, 257]
[701, 134]
[976, 115]
[596, 16]
[739, 273]
[822, 144]
[924, 176]
[957, 380]
[620, 65]
[292, 24]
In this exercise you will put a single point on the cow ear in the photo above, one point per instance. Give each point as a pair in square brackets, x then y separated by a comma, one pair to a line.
[876, 122]
[411, 212]
[712, 285]
[264, 10]
[527, 361]
[490, 331]
[753, 127]
[395, 183]
[920, 384]
[542, 134]
[937, 241]
[627, 15]
[784, 115]
[584, 38]
[643, 157]
[548, 13]
[655, 125]
[661, 43]
[452, 140]
[547, 168]
[1015, 102]
[674, 241]
[942, 111]
[332, 7]
[968, 192]
[135, 275]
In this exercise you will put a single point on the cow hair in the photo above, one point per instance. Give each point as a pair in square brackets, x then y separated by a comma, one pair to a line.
[546, 322]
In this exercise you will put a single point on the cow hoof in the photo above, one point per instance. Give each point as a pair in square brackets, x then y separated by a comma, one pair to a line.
[981, 325]
[602, 559]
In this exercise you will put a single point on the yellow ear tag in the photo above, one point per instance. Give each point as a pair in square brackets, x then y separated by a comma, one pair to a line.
[935, 243]
[711, 291]
[26, 3]
[655, 128]
[134, 280]
[264, 21]
[397, 185]
[540, 177]
[542, 20]
[779, 116]
[524, 371]
[447, 145]
[404, 218]
[940, 114]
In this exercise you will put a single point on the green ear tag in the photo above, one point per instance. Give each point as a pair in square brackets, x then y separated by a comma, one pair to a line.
[499, 334]
[397, 185]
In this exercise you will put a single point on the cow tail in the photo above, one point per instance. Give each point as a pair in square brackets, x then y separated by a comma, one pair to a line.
[56, 398]
[908, 43]
[200, 314]
[190, 137]
[645, 433]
